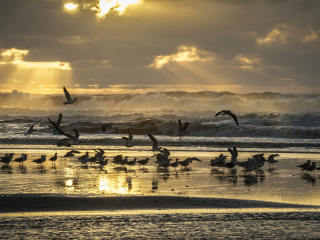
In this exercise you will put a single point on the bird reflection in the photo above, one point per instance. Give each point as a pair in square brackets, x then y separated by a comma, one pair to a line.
[7, 169]
[120, 169]
[217, 171]
[154, 184]
[309, 178]
[272, 170]
[23, 169]
[144, 170]
[250, 179]
[129, 182]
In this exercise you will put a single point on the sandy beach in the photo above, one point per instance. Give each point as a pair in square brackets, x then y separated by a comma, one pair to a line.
[38, 203]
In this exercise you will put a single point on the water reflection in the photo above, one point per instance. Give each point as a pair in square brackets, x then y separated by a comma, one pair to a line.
[250, 180]
[309, 178]
[7, 169]
[154, 184]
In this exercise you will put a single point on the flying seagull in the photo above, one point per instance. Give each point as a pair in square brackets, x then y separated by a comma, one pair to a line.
[68, 96]
[31, 130]
[155, 144]
[182, 128]
[128, 140]
[75, 138]
[58, 124]
[227, 112]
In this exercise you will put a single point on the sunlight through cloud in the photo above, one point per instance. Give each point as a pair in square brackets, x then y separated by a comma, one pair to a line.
[70, 6]
[184, 54]
[105, 6]
[15, 56]
[277, 35]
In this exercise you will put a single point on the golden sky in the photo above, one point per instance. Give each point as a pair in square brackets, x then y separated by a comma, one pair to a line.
[126, 46]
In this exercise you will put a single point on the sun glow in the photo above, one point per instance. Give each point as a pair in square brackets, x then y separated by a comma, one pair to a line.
[184, 54]
[15, 56]
[105, 6]
[70, 6]
[32, 76]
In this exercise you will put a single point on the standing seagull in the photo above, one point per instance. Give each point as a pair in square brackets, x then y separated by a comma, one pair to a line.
[227, 112]
[155, 144]
[68, 96]
[31, 130]
[182, 129]
[128, 140]
[54, 158]
[75, 138]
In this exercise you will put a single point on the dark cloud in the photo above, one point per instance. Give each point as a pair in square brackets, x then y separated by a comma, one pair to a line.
[118, 49]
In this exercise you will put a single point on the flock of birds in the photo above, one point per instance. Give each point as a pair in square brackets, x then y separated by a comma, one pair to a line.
[162, 158]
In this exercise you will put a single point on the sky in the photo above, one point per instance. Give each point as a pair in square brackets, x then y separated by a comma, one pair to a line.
[137, 46]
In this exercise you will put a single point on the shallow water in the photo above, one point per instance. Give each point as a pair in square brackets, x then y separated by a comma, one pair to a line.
[282, 182]
[263, 225]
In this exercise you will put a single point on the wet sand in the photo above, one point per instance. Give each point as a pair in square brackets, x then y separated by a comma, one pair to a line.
[38, 203]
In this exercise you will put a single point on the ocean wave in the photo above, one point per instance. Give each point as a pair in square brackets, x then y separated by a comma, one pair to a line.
[186, 102]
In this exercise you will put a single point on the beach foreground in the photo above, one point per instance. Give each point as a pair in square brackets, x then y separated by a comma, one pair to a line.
[158, 217]
[38, 203]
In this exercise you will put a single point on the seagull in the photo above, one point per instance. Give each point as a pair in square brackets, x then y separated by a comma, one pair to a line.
[75, 138]
[104, 127]
[128, 140]
[227, 112]
[40, 160]
[234, 155]
[305, 165]
[311, 168]
[103, 162]
[93, 159]
[68, 154]
[99, 155]
[219, 161]
[155, 146]
[58, 124]
[271, 159]
[117, 159]
[84, 158]
[187, 161]
[132, 163]
[21, 159]
[65, 142]
[54, 158]
[69, 100]
[182, 128]
[7, 158]
[143, 162]
[175, 164]
[31, 130]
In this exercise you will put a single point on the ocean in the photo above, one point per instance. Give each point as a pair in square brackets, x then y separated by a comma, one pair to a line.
[266, 120]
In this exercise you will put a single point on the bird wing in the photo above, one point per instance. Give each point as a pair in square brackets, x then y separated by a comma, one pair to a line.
[125, 138]
[35, 123]
[67, 94]
[59, 119]
[235, 151]
[184, 127]
[76, 134]
[179, 125]
[99, 151]
[231, 151]
[155, 142]
[130, 136]
[59, 130]
[234, 117]
[219, 112]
